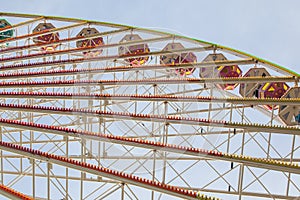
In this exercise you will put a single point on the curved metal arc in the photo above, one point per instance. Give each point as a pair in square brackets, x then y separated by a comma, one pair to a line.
[156, 98]
[13, 194]
[170, 148]
[100, 171]
[249, 127]
[217, 46]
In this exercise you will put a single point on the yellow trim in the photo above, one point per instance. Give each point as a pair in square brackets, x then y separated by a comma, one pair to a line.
[265, 86]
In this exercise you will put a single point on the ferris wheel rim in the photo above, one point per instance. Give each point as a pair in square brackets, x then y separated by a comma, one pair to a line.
[231, 50]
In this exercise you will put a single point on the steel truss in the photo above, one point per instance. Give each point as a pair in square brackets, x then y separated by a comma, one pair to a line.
[97, 127]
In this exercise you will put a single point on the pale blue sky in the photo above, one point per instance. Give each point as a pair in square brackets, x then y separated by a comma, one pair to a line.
[266, 28]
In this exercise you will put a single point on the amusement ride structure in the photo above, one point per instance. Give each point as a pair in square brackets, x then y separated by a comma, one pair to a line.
[95, 110]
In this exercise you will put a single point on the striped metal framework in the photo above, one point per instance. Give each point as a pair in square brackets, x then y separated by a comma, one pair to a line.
[95, 110]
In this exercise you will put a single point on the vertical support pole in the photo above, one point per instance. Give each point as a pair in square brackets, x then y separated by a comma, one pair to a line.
[165, 140]
[229, 134]
[21, 143]
[49, 167]
[209, 109]
[270, 135]
[67, 169]
[136, 92]
[30, 119]
[104, 120]
[33, 177]
[228, 140]
[154, 111]
[243, 135]
[242, 167]
[153, 172]
[123, 191]
[82, 173]
[240, 186]
[102, 105]
[291, 160]
[69, 36]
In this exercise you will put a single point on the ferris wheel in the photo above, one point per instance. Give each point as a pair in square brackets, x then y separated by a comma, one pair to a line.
[95, 110]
